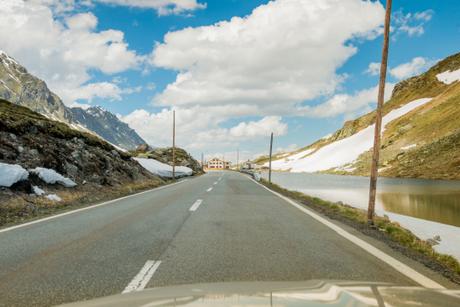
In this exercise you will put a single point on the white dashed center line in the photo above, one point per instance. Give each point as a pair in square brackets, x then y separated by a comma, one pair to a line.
[142, 278]
[215, 183]
[209, 190]
[196, 205]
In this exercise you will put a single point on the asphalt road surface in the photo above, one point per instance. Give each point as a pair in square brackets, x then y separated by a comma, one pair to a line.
[215, 228]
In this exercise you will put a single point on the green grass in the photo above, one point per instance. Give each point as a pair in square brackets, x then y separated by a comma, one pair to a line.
[358, 217]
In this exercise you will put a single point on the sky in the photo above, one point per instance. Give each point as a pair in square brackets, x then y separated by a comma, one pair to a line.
[233, 70]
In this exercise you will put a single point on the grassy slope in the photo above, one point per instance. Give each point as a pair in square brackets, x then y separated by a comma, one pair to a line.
[18, 119]
[433, 127]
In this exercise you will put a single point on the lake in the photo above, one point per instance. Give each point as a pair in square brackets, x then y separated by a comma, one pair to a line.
[433, 200]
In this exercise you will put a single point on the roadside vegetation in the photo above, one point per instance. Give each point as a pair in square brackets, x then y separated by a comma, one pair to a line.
[18, 208]
[397, 237]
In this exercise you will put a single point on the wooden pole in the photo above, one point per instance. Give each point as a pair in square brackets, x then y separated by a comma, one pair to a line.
[237, 158]
[202, 161]
[174, 145]
[270, 160]
[378, 117]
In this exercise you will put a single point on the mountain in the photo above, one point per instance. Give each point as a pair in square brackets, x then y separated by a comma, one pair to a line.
[421, 133]
[22, 88]
[108, 126]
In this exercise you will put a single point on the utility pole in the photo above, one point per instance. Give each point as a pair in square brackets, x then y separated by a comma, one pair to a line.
[237, 159]
[174, 146]
[202, 161]
[378, 117]
[270, 160]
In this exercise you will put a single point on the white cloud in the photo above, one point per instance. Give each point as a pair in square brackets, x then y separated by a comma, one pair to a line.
[164, 7]
[416, 66]
[90, 91]
[84, 21]
[62, 51]
[265, 126]
[373, 69]
[413, 24]
[266, 64]
[283, 53]
[349, 105]
[199, 128]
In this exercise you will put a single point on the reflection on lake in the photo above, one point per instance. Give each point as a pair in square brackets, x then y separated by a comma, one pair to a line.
[443, 208]
[434, 200]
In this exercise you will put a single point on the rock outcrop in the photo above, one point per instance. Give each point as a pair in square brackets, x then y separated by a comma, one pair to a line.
[164, 155]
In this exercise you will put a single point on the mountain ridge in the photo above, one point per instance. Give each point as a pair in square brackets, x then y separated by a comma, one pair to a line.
[20, 87]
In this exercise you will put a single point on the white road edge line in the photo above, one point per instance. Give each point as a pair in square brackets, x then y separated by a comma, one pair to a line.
[142, 278]
[209, 190]
[87, 208]
[196, 205]
[396, 264]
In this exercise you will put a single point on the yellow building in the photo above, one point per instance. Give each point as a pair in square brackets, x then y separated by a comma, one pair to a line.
[216, 163]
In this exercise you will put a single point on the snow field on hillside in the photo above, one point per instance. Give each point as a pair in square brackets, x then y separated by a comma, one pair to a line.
[449, 77]
[344, 151]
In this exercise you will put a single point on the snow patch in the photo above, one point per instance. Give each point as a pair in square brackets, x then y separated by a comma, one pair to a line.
[11, 173]
[51, 176]
[347, 150]
[53, 197]
[38, 191]
[449, 77]
[162, 169]
[346, 168]
[409, 147]
[286, 163]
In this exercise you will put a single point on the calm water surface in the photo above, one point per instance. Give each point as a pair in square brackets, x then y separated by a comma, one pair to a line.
[434, 200]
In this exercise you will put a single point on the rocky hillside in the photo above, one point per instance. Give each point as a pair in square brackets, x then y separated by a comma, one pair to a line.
[22, 88]
[421, 137]
[164, 155]
[29, 141]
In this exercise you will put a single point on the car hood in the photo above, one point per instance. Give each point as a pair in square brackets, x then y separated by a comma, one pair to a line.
[309, 293]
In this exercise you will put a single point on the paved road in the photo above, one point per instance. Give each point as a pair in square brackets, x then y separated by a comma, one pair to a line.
[239, 231]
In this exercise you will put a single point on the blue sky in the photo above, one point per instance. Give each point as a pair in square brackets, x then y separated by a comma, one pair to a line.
[217, 116]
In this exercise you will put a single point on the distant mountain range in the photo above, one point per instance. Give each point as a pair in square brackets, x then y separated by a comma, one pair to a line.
[421, 133]
[21, 88]
[107, 126]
